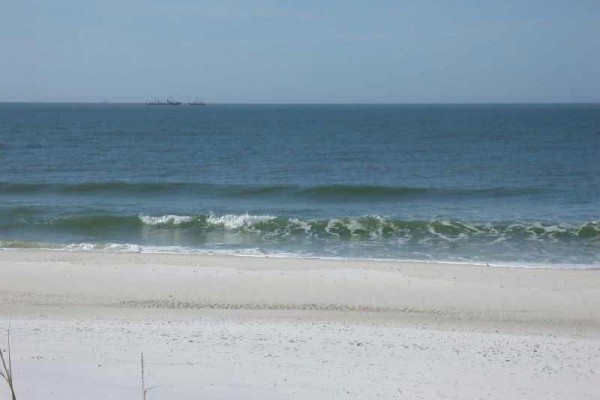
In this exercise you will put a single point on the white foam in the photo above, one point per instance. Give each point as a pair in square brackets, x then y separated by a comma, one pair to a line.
[331, 224]
[301, 224]
[354, 225]
[236, 221]
[460, 236]
[120, 247]
[259, 252]
[165, 219]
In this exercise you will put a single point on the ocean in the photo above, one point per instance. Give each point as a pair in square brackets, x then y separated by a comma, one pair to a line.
[514, 185]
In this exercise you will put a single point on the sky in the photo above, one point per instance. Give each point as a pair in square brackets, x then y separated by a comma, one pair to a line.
[327, 51]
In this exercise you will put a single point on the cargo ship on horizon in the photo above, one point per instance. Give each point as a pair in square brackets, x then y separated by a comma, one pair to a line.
[197, 102]
[168, 102]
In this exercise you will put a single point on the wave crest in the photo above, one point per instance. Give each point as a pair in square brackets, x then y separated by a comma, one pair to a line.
[237, 221]
[376, 226]
[174, 220]
[361, 228]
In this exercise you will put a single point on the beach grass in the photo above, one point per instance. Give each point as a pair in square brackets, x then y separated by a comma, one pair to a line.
[7, 372]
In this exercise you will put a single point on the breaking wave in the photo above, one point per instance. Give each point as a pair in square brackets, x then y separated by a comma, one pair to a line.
[346, 237]
[364, 227]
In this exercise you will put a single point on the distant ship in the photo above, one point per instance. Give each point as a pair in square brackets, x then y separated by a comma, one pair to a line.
[197, 103]
[168, 102]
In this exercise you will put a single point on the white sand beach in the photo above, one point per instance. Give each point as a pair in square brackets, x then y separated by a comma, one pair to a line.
[216, 327]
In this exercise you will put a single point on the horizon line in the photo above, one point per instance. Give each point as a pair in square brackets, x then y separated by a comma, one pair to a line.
[318, 103]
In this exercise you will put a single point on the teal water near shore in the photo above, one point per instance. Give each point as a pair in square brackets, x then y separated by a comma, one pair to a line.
[466, 183]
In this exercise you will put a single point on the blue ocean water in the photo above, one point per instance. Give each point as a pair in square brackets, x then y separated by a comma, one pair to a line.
[504, 184]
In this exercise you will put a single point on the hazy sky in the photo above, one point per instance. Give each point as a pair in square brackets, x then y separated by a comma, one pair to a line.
[345, 51]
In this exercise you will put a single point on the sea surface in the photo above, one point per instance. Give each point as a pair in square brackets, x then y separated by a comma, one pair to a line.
[511, 185]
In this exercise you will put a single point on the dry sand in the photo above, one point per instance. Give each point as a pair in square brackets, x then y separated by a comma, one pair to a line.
[216, 327]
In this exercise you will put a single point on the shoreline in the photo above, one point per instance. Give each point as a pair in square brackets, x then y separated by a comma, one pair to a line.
[106, 281]
[89, 248]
